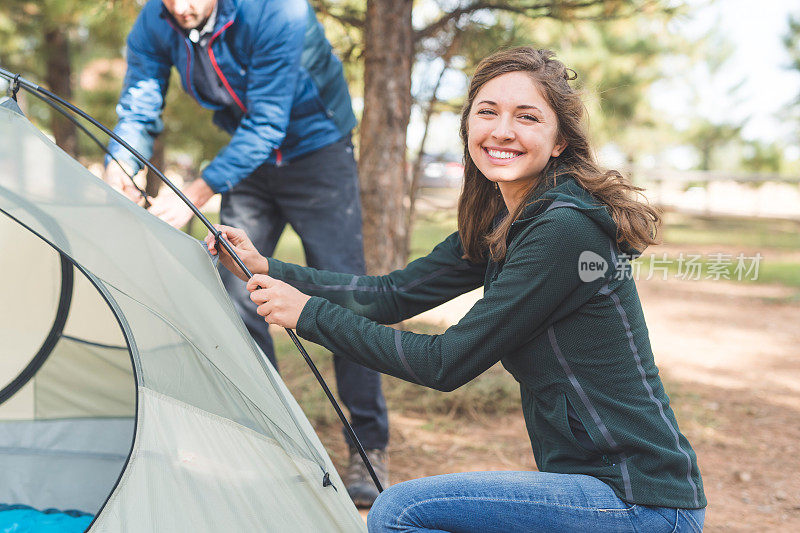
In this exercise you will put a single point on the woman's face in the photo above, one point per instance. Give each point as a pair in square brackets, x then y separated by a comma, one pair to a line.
[512, 132]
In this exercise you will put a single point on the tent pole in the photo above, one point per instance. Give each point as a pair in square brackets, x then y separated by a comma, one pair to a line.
[89, 134]
[36, 89]
[55, 334]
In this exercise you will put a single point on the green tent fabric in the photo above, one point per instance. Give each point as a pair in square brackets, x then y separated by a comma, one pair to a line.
[129, 387]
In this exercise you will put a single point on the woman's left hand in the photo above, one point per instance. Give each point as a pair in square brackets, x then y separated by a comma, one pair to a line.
[278, 302]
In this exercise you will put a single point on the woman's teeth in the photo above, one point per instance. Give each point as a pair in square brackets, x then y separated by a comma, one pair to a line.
[502, 155]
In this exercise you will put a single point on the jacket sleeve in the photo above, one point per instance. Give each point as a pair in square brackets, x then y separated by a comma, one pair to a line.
[271, 82]
[538, 285]
[142, 99]
[423, 284]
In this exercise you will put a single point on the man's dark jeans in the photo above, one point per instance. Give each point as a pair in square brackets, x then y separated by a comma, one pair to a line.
[318, 195]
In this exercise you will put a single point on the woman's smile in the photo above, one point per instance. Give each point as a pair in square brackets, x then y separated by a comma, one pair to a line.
[502, 156]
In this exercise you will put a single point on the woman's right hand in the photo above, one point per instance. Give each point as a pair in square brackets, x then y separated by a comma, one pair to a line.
[242, 246]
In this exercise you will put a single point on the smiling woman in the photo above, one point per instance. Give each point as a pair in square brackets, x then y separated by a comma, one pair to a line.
[521, 107]
[543, 229]
[513, 133]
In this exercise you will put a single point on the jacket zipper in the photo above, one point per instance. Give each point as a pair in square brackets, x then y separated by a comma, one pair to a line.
[219, 71]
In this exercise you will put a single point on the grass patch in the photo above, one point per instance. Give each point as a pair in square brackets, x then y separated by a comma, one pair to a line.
[430, 229]
[785, 273]
[775, 240]
[492, 393]
[728, 231]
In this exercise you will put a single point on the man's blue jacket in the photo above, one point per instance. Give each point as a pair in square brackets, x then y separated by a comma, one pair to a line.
[271, 56]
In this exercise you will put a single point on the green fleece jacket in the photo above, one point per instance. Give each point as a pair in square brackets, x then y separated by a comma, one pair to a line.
[561, 313]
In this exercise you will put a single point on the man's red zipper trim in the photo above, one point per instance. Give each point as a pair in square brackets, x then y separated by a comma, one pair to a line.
[219, 72]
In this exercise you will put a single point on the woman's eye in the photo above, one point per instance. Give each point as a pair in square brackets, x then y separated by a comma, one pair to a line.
[530, 117]
[486, 112]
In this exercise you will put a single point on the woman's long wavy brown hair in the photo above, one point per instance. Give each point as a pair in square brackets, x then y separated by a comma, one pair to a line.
[479, 204]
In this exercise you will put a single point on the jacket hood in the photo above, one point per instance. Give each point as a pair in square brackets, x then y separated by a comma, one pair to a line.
[562, 188]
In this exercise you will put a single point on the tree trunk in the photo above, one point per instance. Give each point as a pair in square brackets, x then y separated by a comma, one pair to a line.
[388, 54]
[58, 78]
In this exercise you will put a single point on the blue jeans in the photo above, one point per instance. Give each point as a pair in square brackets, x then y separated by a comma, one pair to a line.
[503, 502]
[318, 195]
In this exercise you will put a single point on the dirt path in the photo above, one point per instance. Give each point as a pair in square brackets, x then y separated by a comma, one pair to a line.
[730, 355]
[734, 359]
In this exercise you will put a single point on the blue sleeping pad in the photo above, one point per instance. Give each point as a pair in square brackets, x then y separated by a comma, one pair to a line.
[24, 519]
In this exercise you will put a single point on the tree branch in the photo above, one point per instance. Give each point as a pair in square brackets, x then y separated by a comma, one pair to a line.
[551, 8]
[416, 173]
[345, 16]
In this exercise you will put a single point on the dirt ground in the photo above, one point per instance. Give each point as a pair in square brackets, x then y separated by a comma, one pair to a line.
[730, 357]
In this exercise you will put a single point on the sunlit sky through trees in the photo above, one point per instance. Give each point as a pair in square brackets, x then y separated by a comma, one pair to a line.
[753, 85]
[758, 65]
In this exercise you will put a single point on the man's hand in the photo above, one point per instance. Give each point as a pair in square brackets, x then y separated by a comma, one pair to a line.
[171, 209]
[121, 181]
[278, 302]
[242, 246]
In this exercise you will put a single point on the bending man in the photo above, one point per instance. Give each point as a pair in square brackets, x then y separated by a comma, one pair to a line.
[267, 70]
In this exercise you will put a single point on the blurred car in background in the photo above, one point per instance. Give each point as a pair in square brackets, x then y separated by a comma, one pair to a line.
[441, 171]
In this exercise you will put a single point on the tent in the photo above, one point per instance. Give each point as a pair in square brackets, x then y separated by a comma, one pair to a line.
[129, 387]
